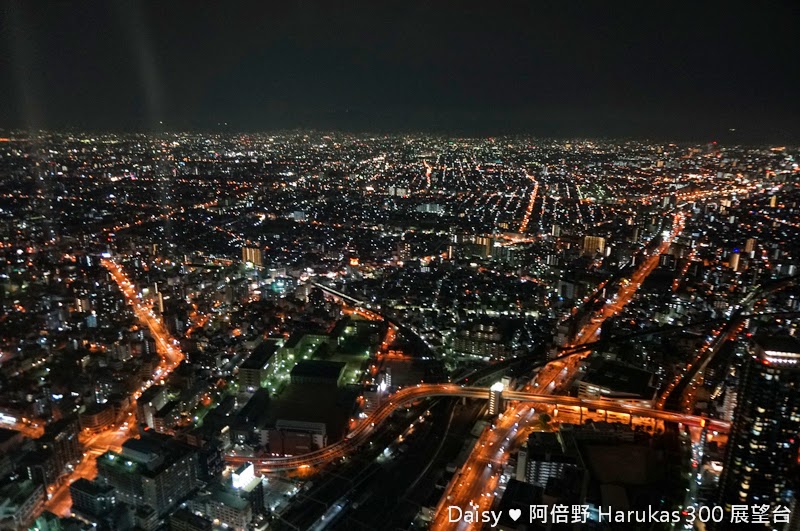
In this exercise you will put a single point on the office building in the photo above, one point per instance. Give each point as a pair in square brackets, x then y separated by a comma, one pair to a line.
[20, 502]
[155, 471]
[546, 459]
[254, 371]
[761, 458]
[252, 255]
[593, 245]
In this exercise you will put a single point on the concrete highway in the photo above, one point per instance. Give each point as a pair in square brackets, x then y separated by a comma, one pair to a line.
[362, 433]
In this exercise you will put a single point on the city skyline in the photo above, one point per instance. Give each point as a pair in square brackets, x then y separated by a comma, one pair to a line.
[431, 266]
[207, 329]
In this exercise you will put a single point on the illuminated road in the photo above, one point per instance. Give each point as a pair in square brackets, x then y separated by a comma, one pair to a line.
[704, 353]
[494, 452]
[627, 290]
[27, 428]
[369, 426]
[475, 484]
[95, 445]
[166, 345]
[474, 487]
[523, 226]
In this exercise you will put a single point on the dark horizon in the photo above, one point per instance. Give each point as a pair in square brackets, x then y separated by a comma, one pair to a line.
[683, 73]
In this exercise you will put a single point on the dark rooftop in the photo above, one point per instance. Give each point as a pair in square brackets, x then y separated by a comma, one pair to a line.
[787, 344]
[261, 355]
[193, 520]
[620, 378]
[519, 495]
[93, 488]
[318, 369]
[6, 435]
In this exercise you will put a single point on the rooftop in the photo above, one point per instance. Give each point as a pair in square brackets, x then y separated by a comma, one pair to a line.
[261, 355]
[93, 488]
[787, 344]
[318, 369]
[619, 378]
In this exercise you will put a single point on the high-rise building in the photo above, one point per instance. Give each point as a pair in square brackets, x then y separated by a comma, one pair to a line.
[667, 261]
[496, 398]
[62, 438]
[252, 255]
[750, 245]
[484, 245]
[155, 471]
[593, 245]
[219, 504]
[522, 463]
[386, 378]
[733, 261]
[480, 339]
[21, 501]
[255, 370]
[546, 459]
[403, 250]
[152, 400]
[91, 499]
[761, 459]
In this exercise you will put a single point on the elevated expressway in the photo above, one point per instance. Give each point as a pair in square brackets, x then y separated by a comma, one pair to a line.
[361, 434]
[369, 426]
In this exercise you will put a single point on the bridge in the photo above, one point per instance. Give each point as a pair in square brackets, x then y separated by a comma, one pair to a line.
[369, 426]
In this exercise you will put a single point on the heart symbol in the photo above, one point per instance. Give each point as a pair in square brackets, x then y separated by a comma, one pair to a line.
[515, 514]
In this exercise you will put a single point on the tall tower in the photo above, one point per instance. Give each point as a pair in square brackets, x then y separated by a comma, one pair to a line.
[496, 398]
[762, 460]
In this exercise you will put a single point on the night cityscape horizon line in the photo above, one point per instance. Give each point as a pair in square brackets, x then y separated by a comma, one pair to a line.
[419, 266]
[411, 132]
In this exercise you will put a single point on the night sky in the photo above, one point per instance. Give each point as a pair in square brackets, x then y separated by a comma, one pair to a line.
[673, 70]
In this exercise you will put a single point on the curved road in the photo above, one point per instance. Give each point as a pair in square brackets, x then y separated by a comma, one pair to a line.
[365, 430]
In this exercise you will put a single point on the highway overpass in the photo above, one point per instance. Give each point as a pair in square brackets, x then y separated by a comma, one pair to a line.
[361, 434]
